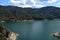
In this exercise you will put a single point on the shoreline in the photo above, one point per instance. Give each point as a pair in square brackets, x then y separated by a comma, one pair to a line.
[25, 20]
[6, 34]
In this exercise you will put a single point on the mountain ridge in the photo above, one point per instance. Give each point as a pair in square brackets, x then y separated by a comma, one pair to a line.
[18, 13]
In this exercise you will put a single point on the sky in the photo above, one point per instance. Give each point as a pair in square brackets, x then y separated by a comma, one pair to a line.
[31, 3]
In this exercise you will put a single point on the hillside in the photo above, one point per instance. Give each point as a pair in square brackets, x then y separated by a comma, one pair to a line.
[18, 13]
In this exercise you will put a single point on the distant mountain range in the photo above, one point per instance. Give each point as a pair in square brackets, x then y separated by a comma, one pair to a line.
[18, 13]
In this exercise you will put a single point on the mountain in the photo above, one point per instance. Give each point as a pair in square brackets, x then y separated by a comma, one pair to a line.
[18, 13]
[51, 10]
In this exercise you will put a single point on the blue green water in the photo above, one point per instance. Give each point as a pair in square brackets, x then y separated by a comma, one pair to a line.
[36, 30]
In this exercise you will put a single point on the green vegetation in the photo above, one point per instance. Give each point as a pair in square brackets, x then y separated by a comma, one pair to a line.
[3, 32]
[13, 13]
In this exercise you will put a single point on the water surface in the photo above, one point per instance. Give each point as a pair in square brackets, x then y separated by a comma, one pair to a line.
[36, 30]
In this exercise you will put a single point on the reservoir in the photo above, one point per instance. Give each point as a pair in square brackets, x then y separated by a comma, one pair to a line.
[36, 30]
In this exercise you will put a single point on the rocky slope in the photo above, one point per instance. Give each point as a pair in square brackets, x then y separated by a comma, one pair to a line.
[6, 34]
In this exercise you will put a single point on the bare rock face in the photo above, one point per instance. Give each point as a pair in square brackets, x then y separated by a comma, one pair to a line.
[56, 34]
[6, 34]
[12, 36]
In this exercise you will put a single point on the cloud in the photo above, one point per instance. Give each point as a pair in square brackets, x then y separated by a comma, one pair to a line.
[25, 6]
[31, 3]
[15, 1]
[22, 1]
[38, 6]
[52, 1]
[31, 6]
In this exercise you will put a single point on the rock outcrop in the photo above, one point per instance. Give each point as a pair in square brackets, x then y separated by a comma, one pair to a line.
[6, 34]
[56, 34]
[12, 36]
